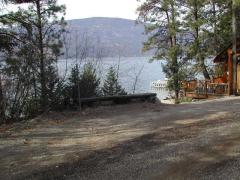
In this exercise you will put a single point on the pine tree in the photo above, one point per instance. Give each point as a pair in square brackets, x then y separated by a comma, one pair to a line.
[31, 46]
[40, 27]
[73, 86]
[83, 85]
[162, 23]
[218, 15]
[195, 22]
[111, 86]
[89, 82]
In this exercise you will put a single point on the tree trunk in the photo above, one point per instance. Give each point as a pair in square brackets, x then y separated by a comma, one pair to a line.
[204, 70]
[198, 53]
[79, 89]
[176, 79]
[176, 96]
[175, 56]
[2, 109]
[44, 99]
[214, 14]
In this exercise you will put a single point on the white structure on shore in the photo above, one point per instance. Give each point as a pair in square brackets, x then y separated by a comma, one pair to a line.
[159, 85]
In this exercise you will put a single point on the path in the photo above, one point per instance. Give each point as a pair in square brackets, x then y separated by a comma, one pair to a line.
[138, 141]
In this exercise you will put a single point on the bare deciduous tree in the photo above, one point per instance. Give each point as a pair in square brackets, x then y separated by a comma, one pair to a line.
[136, 78]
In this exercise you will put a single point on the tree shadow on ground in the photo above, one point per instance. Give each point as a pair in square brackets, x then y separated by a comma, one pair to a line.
[152, 126]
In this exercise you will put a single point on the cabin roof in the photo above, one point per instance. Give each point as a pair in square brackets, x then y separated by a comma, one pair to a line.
[223, 55]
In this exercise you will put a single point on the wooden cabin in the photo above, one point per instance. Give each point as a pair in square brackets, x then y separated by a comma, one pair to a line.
[226, 59]
[221, 84]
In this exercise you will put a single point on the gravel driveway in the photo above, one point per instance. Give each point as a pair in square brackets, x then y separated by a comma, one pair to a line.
[136, 141]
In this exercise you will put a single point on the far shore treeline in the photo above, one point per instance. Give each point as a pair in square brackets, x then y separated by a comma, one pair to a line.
[185, 33]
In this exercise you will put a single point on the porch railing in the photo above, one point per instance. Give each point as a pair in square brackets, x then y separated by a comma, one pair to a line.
[201, 88]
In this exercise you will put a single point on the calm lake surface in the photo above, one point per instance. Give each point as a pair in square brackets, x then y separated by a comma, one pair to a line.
[129, 69]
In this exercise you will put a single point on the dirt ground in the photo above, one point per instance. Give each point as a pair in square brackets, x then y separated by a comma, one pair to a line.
[135, 141]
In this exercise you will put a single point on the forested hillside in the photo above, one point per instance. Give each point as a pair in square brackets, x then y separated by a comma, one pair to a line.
[116, 36]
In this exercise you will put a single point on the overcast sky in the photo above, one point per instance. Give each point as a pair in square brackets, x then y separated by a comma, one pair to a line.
[77, 9]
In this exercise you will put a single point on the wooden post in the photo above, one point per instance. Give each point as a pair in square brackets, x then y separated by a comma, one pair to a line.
[205, 87]
[225, 75]
[230, 72]
[234, 49]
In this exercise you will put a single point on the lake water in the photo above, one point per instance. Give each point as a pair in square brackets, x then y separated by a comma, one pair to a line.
[129, 69]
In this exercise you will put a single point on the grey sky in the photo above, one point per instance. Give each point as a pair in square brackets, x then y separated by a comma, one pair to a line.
[100, 8]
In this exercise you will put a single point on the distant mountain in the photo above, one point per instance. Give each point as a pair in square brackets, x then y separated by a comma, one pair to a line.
[114, 35]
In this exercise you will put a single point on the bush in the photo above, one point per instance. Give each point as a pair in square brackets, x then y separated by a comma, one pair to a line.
[184, 100]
